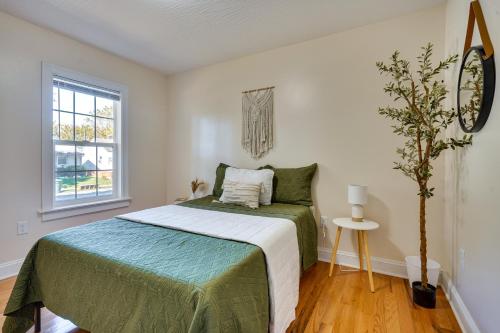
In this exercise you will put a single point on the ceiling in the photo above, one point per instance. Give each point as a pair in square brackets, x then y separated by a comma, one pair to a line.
[178, 35]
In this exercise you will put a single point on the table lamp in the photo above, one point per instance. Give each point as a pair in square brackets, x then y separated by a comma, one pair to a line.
[357, 197]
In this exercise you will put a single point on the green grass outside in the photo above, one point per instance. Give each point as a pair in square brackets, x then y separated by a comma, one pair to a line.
[68, 183]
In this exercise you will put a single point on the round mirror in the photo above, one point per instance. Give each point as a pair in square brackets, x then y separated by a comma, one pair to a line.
[476, 87]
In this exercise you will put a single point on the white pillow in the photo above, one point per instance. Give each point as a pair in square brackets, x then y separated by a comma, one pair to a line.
[244, 194]
[264, 177]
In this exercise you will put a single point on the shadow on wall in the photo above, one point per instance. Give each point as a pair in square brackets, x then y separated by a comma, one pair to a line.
[377, 210]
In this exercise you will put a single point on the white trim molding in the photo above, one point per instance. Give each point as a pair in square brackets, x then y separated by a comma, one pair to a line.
[52, 209]
[379, 265]
[86, 208]
[10, 268]
[464, 318]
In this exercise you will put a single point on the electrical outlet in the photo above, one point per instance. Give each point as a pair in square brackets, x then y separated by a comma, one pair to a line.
[461, 259]
[22, 227]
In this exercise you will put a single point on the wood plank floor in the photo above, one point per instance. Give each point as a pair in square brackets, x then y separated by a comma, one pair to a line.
[342, 303]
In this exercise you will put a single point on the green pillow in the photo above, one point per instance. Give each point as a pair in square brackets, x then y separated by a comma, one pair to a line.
[220, 173]
[293, 185]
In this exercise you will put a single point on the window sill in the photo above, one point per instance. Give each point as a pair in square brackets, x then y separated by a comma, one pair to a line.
[87, 208]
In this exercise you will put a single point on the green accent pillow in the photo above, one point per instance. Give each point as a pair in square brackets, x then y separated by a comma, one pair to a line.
[293, 185]
[220, 173]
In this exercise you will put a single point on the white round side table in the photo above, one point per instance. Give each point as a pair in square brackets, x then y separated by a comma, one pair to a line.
[361, 228]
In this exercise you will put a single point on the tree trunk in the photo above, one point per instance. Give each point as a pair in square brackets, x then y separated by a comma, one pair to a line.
[423, 243]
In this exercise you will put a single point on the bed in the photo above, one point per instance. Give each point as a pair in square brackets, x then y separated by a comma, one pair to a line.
[128, 275]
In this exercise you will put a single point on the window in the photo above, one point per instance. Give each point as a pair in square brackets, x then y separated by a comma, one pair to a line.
[83, 143]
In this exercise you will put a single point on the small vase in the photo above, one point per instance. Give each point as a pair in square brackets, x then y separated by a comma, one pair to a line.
[413, 268]
[192, 196]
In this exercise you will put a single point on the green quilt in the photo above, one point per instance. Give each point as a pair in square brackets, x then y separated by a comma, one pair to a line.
[302, 216]
[122, 276]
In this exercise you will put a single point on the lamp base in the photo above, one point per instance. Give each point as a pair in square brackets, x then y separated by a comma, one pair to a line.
[357, 213]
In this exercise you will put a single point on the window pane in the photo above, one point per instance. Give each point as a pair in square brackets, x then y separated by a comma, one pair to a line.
[65, 186]
[55, 125]
[66, 100]
[65, 158]
[86, 184]
[105, 158]
[104, 107]
[84, 103]
[104, 130]
[86, 158]
[84, 128]
[66, 126]
[105, 183]
[55, 98]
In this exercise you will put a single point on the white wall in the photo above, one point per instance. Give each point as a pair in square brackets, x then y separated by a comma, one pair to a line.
[23, 47]
[473, 187]
[326, 99]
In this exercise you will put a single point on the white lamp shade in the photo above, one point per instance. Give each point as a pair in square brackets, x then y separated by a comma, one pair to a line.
[357, 194]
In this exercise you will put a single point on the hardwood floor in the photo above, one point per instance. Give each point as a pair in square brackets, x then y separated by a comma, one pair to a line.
[342, 303]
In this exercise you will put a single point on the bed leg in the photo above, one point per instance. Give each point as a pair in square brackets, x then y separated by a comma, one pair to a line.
[38, 318]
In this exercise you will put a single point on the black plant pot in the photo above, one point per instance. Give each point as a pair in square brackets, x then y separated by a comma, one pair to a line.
[425, 297]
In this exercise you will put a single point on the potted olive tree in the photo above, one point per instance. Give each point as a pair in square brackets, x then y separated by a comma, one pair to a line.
[419, 115]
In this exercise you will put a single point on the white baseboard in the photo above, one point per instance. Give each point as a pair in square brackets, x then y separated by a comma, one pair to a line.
[464, 318]
[10, 268]
[379, 265]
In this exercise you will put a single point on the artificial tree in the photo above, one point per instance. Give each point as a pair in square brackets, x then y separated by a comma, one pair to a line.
[420, 116]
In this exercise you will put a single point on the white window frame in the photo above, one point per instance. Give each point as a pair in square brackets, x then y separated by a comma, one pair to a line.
[52, 209]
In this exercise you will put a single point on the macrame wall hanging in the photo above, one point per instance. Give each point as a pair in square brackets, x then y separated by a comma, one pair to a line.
[257, 131]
